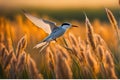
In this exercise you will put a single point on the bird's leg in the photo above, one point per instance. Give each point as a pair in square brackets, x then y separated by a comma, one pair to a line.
[55, 40]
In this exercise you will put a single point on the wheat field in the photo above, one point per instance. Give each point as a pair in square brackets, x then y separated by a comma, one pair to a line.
[90, 51]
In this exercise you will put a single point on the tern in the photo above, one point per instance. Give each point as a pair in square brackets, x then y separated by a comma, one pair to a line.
[49, 27]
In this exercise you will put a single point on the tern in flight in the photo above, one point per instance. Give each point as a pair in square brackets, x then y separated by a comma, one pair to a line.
[49, 27]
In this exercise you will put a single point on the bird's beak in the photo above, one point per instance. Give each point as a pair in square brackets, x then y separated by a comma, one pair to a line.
[74, 26]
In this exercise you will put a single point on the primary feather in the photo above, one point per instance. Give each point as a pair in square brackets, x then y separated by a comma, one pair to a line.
[47, 26]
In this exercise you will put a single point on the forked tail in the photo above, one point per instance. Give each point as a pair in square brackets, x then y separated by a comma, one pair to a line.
[42, 46]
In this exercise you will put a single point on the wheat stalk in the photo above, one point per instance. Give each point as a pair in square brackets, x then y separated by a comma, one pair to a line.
[4, 54]
[92, 60]
[75, 46]
[63, 70]
[21, 46]
[113, 22]
[82, 44]
[8, 60]
[90, 34]
[21, 62]
[2, 47]
[12, 70]
[32, 68]
[50, 59]
[64, 52]
[109, 65]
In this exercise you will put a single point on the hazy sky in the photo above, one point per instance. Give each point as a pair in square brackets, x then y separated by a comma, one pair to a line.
[58, 3]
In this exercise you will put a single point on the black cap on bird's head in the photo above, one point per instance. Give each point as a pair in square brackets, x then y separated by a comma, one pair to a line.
[65, 23]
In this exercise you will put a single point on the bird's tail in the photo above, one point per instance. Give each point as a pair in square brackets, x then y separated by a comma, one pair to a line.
[40, 44]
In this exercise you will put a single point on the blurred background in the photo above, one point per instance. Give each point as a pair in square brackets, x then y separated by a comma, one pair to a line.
[61, 10]
[14, 24]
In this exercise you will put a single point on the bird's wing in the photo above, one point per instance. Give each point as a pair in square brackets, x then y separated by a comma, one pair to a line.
[47, 26]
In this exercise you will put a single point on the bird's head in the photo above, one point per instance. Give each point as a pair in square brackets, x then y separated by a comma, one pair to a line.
[67, 25]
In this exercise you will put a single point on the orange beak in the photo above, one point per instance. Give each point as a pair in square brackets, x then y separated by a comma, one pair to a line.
[74, 26]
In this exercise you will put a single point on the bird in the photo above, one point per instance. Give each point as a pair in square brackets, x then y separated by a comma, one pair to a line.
[49, 27]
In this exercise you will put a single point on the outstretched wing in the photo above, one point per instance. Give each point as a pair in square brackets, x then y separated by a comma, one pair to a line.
[47, 26]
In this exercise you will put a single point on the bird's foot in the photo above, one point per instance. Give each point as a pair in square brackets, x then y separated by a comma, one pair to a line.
[55, 40]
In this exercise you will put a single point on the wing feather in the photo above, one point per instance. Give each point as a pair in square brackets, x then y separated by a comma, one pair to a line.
[47, 26]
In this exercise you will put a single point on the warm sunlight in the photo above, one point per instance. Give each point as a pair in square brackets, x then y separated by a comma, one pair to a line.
[59, 39]
[59, 4]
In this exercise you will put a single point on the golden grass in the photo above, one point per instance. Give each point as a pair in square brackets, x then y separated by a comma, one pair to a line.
[113, 22]
[90, 34]
[74, 55]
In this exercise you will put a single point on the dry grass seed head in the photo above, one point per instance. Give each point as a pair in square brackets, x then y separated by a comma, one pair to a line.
[64, 53]
[111, 73]
[53, 48]
[21, 45]
[113, 22]
[108, 60]
[90, 34]
[86, 73]
[82, 44]
[91, 60]
[12, 70]
[67, 41]
[73, 39]
[21, 62]
[4, 54]
[100, 52]
[99, 40]
[111, 17]
[8, 60]
[32, 68]
[63, 70]
[74, 43]
[2, 47]
[50, 59]
[109, 65]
